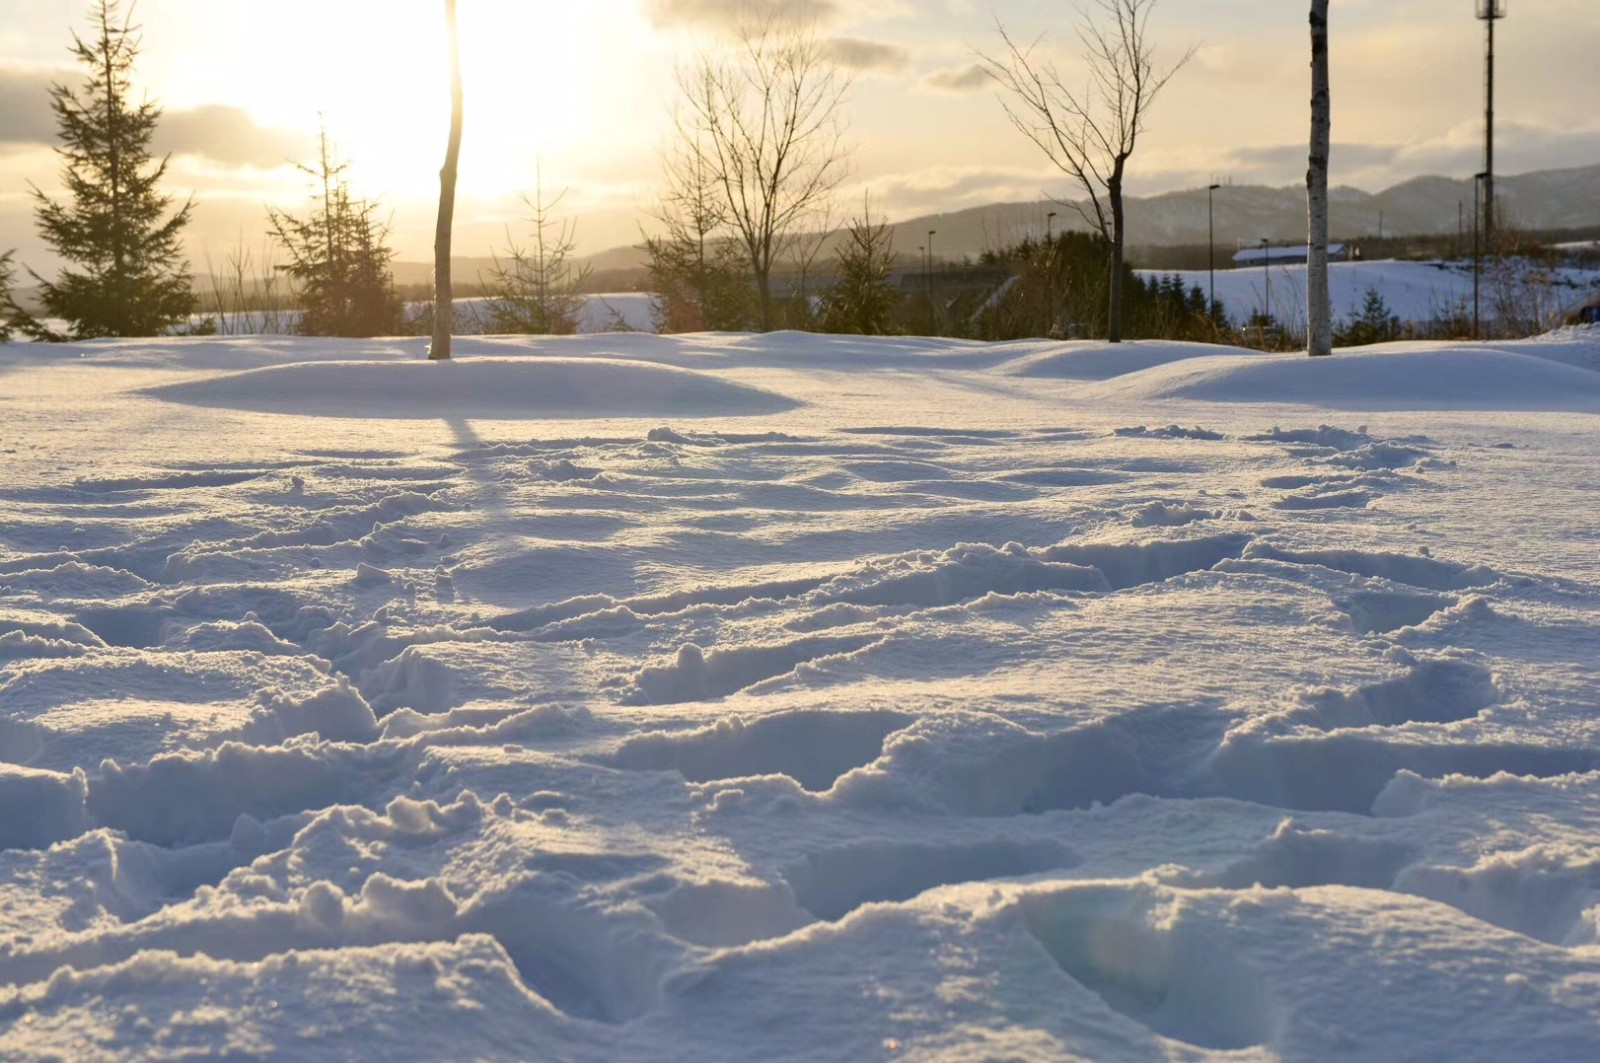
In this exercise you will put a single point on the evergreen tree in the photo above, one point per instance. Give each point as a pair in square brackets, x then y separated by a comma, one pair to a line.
[339, 259]
[534, 290]
[1057, 288]
[863, 299]
[1375, 324]
[697, 271]
[131, 278]
[7, 272]
[699, 285]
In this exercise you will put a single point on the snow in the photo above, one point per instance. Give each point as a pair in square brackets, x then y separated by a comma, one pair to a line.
[487, 387]
[723, 697]
[1414, 291]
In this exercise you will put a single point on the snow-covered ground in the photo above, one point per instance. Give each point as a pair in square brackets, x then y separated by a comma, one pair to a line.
[734, 698]
[607, 312]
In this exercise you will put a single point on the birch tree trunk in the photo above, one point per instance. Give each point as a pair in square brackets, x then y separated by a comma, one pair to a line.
[1319, 309]
[443, 295]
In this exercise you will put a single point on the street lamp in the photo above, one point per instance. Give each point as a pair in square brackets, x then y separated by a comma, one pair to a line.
[1050, 264]
[1211, 250]
[1266, 271]
[1477, 180]
[932, 324]
[1489, 12]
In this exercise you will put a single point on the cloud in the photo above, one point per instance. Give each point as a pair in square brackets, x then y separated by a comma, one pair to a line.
[956, 187]
[1280, 157]
[228, 135]
[970, 78]
[25, 116]
[731, 14]
[855, 53]
[224, 135]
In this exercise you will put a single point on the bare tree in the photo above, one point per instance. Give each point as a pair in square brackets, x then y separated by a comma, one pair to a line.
[1319, 305]
[1090, 133]
[804, 248]
[764, 124]
[443, 294]
[698, 272]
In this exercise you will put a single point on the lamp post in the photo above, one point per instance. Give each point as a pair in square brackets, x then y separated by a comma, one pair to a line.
[1489, 12]
[1477, 259]
[1050, 264]
[1266, 272]
[932, 323]
[1211, 250]
[922, 263]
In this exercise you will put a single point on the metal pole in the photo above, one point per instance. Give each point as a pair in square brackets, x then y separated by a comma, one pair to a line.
[932, 316]
[922, 264]
[1489, 11]
[1477, 332]
[1266, 271]
[1211, 252]
[1488, 137]
[1050, 264]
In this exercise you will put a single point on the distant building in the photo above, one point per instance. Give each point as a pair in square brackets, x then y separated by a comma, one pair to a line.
[1293, 255]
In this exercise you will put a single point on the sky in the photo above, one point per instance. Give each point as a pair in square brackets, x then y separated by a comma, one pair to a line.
[581, 95]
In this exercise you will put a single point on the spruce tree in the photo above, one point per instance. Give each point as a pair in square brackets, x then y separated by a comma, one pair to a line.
[130, 277]
[534, 290]
[1375, 324]
[697, 270]
[864, 297]
[7, 271]
[339, 259]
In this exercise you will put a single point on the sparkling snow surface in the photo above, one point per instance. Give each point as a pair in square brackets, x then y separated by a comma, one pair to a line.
[741, 698]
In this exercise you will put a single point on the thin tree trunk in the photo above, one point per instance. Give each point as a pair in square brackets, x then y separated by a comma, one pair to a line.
[1114, 193]
[1319, 309]
[764, 288]
[443, 295]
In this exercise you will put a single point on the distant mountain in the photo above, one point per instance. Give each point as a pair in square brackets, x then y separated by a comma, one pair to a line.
[1548, 199]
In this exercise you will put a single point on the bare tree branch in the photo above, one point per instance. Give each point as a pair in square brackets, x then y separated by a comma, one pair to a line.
[764, 123]
[1089, 133]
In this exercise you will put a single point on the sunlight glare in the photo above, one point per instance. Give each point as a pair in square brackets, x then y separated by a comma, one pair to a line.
[535, 77]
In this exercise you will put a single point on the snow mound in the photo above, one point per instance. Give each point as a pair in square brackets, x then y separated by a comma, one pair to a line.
[41, 806]
[1099, 360]
[500, 388]
[1392, 376]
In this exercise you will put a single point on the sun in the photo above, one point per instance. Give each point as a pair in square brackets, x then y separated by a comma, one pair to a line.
[540, 80]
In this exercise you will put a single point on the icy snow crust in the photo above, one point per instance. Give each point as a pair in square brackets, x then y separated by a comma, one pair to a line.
[730, 698]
